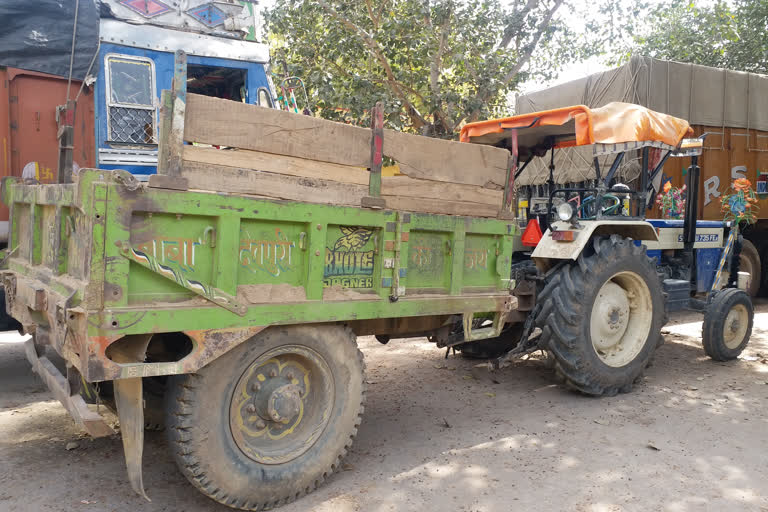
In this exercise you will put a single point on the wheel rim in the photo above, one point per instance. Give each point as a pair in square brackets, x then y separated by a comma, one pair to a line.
[621, 319]
[281, 404]
[735, 326]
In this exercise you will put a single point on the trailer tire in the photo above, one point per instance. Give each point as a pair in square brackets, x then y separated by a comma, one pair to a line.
[750, 262]
[614, 290]
[271, 419]
[727, 324]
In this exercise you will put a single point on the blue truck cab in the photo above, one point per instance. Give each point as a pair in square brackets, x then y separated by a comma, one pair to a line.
[137, 41]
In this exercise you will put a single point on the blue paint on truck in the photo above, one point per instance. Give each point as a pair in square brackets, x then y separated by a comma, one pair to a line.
[135, 149]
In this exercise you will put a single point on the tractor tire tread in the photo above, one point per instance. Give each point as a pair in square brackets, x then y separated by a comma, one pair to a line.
[564, 309]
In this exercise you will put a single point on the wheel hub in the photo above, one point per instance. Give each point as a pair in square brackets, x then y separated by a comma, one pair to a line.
[612, 308]
[620, 322]
[281, 404]
[735, 326]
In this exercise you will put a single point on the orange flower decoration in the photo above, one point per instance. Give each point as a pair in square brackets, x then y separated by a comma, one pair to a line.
[667, 186]
[741, 184]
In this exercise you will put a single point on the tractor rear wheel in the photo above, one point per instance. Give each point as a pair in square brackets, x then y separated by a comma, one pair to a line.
[271, 419]
[602, 315]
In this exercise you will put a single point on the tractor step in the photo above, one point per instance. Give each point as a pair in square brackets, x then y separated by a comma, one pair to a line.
[678, 294]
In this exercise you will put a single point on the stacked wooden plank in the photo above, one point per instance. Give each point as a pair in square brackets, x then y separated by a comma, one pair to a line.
[281, 155]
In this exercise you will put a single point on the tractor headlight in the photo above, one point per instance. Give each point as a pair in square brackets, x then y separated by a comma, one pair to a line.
[565, 212]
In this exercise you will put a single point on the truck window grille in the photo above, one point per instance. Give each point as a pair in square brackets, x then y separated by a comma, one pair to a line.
[131, 125]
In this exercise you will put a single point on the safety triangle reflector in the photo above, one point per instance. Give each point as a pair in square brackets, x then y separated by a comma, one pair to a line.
[532, 233]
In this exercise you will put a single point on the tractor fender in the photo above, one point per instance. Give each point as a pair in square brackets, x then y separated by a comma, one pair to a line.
[551, 249]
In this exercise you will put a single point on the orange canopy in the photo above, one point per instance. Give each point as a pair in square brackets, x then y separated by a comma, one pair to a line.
[579, 126]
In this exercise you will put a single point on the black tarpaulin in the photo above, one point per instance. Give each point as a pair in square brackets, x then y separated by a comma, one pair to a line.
[36, 35]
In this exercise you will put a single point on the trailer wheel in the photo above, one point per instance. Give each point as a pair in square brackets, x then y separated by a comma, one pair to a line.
[727, 324]
[750, 262]
[602, 315]
[269, 421]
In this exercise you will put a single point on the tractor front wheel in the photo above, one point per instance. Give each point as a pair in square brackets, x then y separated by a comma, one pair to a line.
[727, 324]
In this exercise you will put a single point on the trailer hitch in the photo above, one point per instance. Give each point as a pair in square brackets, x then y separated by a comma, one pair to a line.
[525, 346]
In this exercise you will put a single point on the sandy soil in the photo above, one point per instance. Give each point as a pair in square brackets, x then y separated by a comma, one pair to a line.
[442, 435]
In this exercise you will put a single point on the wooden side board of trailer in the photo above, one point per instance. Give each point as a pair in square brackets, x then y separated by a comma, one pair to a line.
[246, 149]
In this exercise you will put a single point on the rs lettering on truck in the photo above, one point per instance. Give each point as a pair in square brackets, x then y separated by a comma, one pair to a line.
[712, 185]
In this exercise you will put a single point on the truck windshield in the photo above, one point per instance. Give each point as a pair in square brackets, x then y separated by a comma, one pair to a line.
[130, 94]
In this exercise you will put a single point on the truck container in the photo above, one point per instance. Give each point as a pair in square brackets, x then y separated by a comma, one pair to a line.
[731, 107]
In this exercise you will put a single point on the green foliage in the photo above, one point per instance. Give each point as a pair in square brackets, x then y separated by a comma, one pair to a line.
[729, 35]
[434, 64]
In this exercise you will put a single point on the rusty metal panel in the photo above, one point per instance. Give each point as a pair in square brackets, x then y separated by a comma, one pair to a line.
[33, 100]
[5, 133]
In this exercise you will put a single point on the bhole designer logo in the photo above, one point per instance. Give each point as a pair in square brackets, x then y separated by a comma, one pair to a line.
[346, 264]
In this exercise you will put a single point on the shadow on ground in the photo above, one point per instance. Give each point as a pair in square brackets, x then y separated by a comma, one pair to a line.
[441, 434]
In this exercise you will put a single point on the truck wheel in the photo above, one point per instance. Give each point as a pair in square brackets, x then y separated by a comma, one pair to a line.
[602, 315]
[727, 324]
[267, 422]
[750, 262]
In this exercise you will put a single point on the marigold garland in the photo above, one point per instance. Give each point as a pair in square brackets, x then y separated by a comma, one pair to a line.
[671, 202]
[741, 205]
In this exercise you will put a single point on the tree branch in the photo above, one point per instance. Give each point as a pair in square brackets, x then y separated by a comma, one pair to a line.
[375, 50]
[513, 27]
[370, 14]
[435, 70]
[521, 61]
[526, 57]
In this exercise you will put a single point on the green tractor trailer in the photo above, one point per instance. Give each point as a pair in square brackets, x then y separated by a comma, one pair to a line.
[228, 291]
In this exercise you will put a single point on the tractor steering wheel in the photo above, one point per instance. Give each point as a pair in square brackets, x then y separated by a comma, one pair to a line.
[588, 209]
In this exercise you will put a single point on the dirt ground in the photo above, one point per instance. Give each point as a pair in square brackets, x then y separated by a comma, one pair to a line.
[439, 434]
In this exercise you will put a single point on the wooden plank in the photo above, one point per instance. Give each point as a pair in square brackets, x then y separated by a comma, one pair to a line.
[280, 164]
[175, 135]
[293, 166]
[166, 114]
[169, 182]
[219, 178]
[229, 123]
[443, 160]
[403, 186]
[440, 206]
